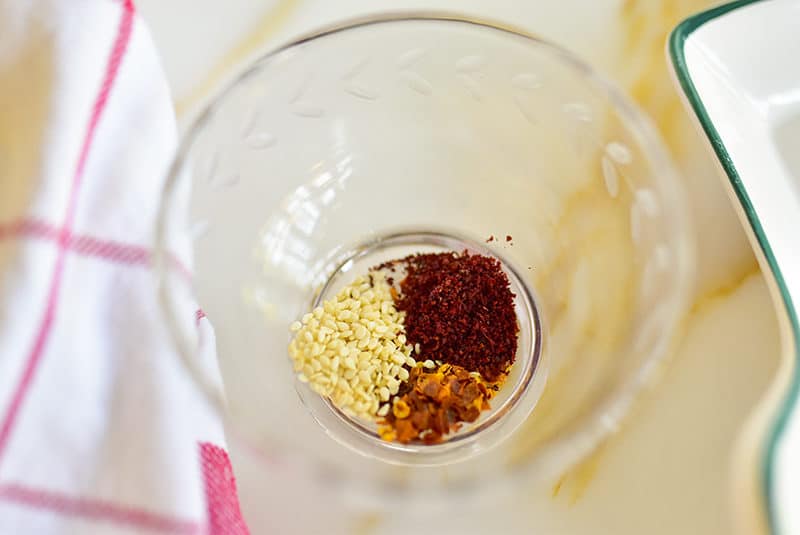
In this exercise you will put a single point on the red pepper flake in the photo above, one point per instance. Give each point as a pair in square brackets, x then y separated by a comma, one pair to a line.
[490, 239]
[460, 310]
[431, 404]
[508, 237]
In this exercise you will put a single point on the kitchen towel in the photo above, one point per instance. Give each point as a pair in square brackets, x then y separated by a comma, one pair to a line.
[101, 429]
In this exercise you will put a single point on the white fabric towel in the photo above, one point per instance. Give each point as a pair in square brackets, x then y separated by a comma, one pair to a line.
[101, 429]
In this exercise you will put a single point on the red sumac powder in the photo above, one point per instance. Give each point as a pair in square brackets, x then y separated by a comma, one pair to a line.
[460, 310]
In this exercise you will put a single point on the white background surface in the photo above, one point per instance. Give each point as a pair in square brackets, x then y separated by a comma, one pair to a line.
[668, 471]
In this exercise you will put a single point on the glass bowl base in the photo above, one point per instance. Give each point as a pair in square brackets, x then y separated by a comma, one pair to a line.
[512, 403]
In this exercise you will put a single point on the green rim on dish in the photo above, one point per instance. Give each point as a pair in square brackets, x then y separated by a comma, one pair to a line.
[778, 427]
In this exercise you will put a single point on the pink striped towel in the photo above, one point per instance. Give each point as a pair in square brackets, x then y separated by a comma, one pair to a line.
[101, 430]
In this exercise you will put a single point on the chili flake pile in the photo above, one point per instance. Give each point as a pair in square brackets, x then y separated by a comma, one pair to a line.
[460, 310]
[433, 403]
[421, 356]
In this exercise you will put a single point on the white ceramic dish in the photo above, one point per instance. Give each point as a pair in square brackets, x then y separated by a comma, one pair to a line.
[739, 68]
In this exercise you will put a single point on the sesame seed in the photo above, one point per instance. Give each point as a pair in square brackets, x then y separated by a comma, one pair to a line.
[352, 348]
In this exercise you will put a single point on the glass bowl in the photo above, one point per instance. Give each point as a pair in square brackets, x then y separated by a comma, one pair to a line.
[414, 133]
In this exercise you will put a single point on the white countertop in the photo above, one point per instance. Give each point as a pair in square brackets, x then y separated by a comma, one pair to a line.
[668, 470]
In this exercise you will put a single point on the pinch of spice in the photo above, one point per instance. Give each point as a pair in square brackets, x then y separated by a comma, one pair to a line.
[349, 349]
